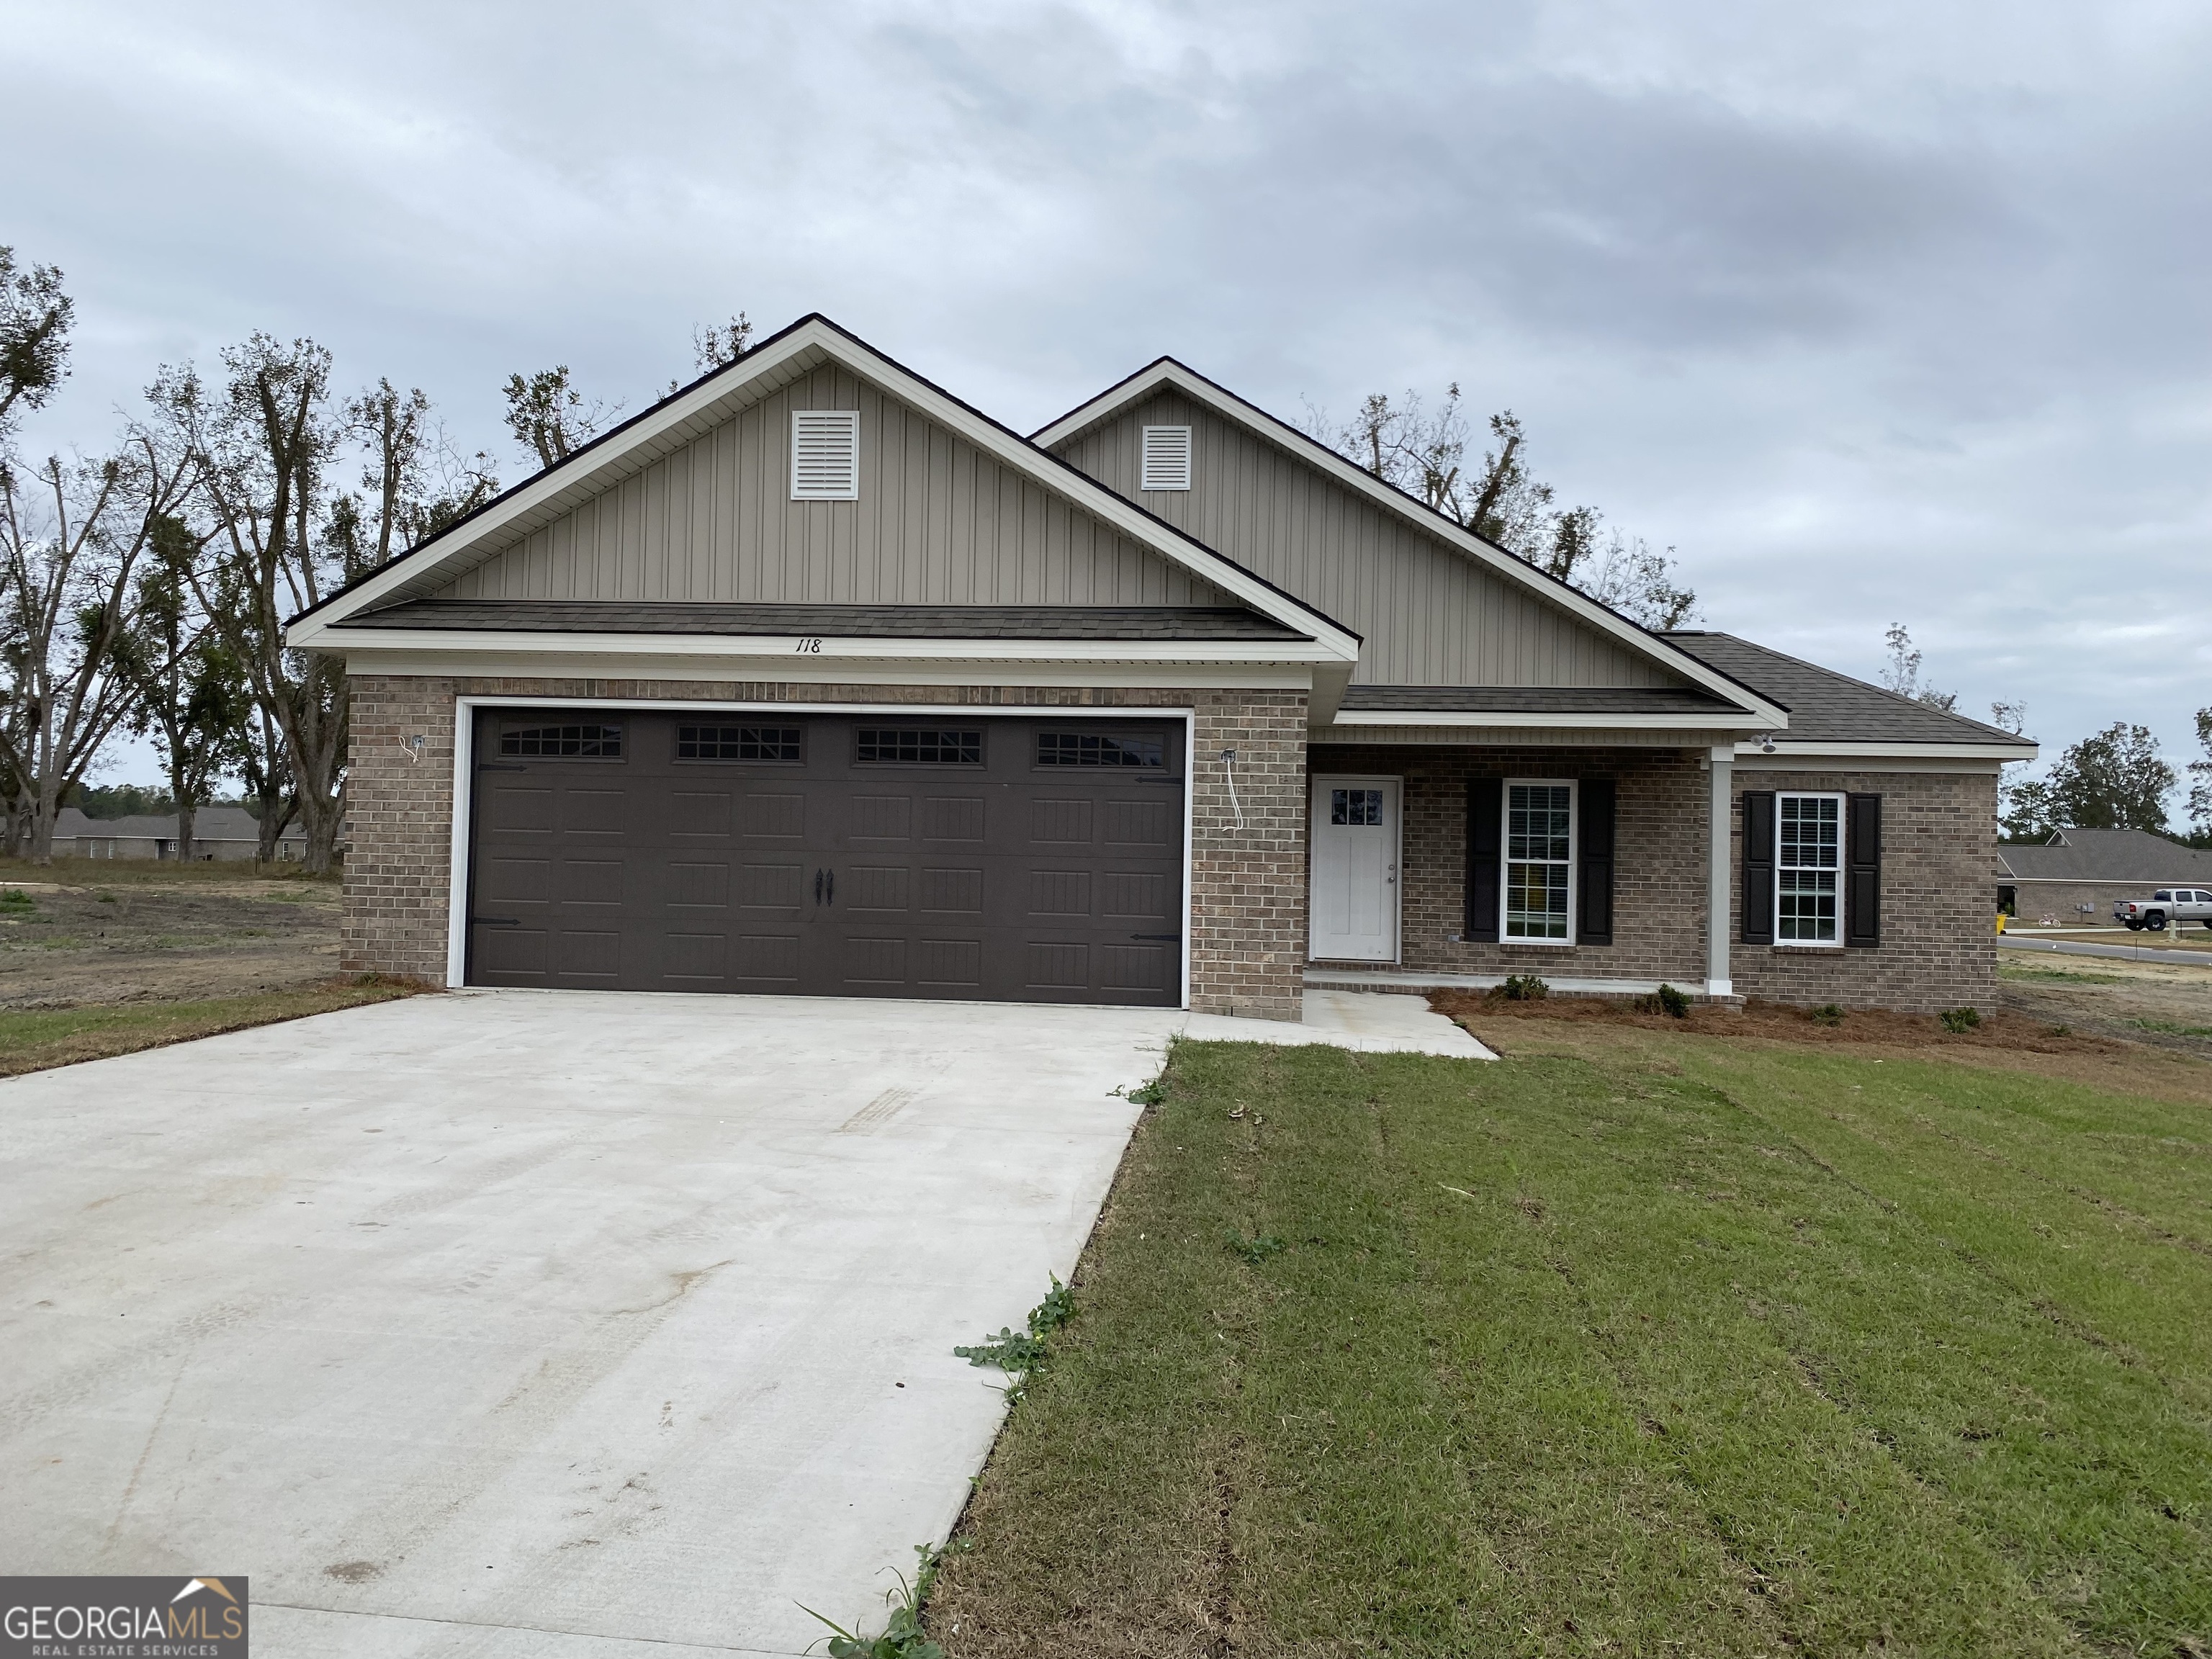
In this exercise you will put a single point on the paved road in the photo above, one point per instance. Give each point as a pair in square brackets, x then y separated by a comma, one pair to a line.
[2123, 952]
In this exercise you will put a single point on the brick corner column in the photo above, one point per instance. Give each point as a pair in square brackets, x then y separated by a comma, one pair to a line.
[1248, 859]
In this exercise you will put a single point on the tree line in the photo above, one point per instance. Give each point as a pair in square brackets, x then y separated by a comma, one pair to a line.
[2115, 779]
[145, 589]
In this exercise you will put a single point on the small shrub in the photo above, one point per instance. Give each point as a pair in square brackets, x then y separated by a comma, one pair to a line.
[1827, 1014]
[1522, 987]
[1958, 1021]
[16, 900]
[1674, 1003]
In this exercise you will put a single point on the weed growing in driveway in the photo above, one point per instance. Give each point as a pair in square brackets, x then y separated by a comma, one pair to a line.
[1019, 1352]
[901, 1637]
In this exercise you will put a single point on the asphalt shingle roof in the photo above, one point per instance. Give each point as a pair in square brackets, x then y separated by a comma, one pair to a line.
[2130, 855]
[1825, 706]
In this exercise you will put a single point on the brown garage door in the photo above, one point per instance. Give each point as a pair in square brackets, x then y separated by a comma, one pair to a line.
[1030, 860]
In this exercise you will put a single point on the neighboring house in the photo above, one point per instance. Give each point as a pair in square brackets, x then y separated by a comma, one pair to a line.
[811, 678]
[218, 833]
[2077, 873]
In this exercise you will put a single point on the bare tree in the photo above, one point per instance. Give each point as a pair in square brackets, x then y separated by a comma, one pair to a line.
[1423, 452]
[712, 347]
[72, 540]
[2200, 778]
[1902, 673]
[548, 417]
[35, 316]
[190, 694]
[266, 445]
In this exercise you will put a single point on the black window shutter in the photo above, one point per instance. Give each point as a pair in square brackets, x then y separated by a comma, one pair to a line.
[1862, 870]
[1486, 811]
[1759, 866]
[1595, 804]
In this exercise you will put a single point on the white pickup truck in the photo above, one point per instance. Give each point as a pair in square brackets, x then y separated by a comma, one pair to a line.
[2169, 906]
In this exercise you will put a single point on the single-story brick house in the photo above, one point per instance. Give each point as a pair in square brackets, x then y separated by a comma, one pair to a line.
[221, 833]
[2076, 875]
[812, 678]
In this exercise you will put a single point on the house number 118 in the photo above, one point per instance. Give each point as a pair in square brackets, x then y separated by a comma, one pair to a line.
[810, 647]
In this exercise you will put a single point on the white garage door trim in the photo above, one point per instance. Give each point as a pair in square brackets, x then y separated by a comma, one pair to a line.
[457, 916]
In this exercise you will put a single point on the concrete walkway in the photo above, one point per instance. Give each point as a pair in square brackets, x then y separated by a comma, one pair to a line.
[2121, 952]
[548, 1325]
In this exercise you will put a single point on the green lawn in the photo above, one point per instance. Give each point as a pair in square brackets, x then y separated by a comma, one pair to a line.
[39, 1039]
[1659, 1346]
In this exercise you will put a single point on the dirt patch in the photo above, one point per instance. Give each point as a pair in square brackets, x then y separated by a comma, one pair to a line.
[78, 937]
[2007, 1030]
[2166, 1005]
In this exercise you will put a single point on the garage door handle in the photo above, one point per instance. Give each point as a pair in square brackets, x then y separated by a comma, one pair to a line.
[495, 921]
[832, 897]
[1169, 938]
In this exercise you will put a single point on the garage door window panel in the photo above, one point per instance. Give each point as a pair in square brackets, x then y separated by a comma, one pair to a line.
[1120, 750]
[580, 742]
[899, 746]
[755, 746]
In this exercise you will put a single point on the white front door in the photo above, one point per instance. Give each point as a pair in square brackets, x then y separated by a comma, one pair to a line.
[1355, 870]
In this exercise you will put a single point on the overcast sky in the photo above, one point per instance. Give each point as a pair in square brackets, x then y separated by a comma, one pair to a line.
[1878, 314]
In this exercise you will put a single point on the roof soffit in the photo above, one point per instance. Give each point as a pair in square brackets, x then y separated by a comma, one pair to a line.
[806, 345]
[1167, 374]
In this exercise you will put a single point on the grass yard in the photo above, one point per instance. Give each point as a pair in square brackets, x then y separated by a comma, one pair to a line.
[34, 1041]
[1631, 1343]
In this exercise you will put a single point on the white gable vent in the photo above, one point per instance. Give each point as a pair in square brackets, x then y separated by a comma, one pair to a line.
[825, 454]
[1167, 457]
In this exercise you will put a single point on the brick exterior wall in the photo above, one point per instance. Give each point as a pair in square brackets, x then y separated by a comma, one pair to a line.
[2037, 899]
[1939, 838]
[1248, 884]
[1659, 858]
[1938, 946]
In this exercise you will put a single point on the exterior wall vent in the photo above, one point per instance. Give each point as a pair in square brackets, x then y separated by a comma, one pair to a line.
[825, 454]
[1167, 457]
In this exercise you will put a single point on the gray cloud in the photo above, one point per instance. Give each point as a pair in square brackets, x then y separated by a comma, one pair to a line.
[1882, 313]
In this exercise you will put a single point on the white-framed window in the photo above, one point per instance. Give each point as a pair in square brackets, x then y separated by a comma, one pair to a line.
[1166, 458]
[1808, 869]
[825, 454]
[1540, 862]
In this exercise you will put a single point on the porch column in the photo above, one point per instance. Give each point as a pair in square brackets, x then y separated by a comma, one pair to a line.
[1718, 932]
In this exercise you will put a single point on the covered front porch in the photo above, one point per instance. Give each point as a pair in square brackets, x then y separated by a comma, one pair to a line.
[1599, 861]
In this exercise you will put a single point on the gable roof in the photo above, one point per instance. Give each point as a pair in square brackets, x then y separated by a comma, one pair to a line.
[715, 397]
[1168, 374]
[2130, 856]
[216, 821]
[1827, 708]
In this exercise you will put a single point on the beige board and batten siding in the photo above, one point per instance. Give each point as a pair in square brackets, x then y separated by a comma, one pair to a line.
[936, 522]
[1430, 614]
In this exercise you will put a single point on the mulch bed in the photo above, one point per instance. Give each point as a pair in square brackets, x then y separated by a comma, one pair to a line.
[1757, 1018]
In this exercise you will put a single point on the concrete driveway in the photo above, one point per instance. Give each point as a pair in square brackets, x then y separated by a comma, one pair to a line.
[550, 1325]
[546, 1325]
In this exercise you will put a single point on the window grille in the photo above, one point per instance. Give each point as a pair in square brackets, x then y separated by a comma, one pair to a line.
[1808, 831]
[825, 454]
[1166, 458]
[1355, 806]
[1539, 859]
[578, 742]
[737, 743]
[1096, 749]
[918, 746]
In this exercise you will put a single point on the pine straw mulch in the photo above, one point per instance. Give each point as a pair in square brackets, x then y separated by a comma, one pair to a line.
[2012, 1032]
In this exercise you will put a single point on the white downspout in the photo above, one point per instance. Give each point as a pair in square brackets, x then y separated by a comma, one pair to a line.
[1719, 814]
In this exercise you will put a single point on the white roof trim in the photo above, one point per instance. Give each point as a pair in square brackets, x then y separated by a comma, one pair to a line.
[1169, 372]
[797, 648]
[1726, 721]
[1786, 749]
[818, 334]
